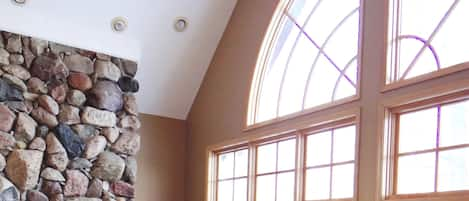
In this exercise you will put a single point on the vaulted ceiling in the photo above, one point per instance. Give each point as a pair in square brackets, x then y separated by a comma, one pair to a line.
[171, 64]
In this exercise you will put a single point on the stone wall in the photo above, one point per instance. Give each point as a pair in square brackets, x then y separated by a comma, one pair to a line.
[68, 123]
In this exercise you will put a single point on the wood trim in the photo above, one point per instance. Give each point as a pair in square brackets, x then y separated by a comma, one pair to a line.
[252, 173]
[272, 31]
[460, 146]
[437, 196]
[432, 102]
[389, 101]
[262, 58]
[391, 156]
[299, 135]
[300, 164]
[305, 112]
[425, 77]
[272, 132]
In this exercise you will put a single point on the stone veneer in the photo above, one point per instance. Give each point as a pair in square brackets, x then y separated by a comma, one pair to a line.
[68, 123]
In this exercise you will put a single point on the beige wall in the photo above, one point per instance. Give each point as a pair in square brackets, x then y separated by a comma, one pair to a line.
[161, 159]
[219, 110]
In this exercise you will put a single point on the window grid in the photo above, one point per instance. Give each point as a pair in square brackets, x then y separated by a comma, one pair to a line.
[341, 89]
[233, 177]
[421, 53]
[298, 170]
[330, 165]
[436, 150]
[277, 172]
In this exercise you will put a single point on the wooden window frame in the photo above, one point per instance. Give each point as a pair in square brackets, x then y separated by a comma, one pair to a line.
[335, 121]
[386, 87]
[276, 172]
[431, 98]
[262, 58]
[331, 164]
[233, 178]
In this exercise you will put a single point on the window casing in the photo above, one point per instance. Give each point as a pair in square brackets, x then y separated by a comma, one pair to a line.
[283, 167]
[232, 175]
[426, 40]
[429, 146]
[310, 59]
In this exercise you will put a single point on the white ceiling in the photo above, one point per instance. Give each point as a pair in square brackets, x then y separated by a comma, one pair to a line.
[171, 64]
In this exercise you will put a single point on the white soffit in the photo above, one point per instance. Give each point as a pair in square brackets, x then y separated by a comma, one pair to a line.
[171, 64]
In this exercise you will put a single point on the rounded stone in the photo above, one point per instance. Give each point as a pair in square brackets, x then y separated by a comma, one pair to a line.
[49, 67]
[49, 104]
[106, 95]
[76, 97]
[127, 84]
[109, 167]
[79, 63]
[80, 81]
[36, 85]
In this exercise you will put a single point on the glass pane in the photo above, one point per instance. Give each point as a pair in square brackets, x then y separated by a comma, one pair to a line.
[266, 158]
[352, 71]
[274, 72]
[241, 163]
[342, 46]
[240, 190]
[301, 9]
[437, 23]
[344, 89]
[429, 14]
[417, 130]
[287, 155]
[295, 78]
[343, 181]
[328, 16]
[453, 170]
[454, 124]
[321, 85]
[424, 64]
[318, 150]
[416, 174]
[286, 186]
[448, 41]
[265, 188]
[225, 191]
[317, 184]
[344, 144]
[225, 165]
[296, 75]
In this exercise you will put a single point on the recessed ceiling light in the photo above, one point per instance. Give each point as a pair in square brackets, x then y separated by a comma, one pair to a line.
[119, 24]
[19, 1]
[181, 24]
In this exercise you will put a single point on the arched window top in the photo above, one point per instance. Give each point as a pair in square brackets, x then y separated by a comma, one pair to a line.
[309, 58]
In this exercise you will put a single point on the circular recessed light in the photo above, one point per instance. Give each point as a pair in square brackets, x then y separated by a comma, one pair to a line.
[181, 24]
[19, 1]
[119, 24]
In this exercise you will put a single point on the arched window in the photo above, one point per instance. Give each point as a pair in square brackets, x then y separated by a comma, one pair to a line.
[309, 58]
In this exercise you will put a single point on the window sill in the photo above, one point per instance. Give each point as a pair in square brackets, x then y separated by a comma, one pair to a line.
[305, 112]
[443, 196]
[428, 76]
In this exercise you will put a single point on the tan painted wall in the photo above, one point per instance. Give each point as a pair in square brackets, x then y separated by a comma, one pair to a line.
[219, 110]
[161, 159]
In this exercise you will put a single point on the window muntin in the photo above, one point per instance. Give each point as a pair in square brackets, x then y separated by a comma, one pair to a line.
[275, 172]
[278, 165]
[232, 176]
[426, 36]
[311, 61]
[330, 164]
[432, 149]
